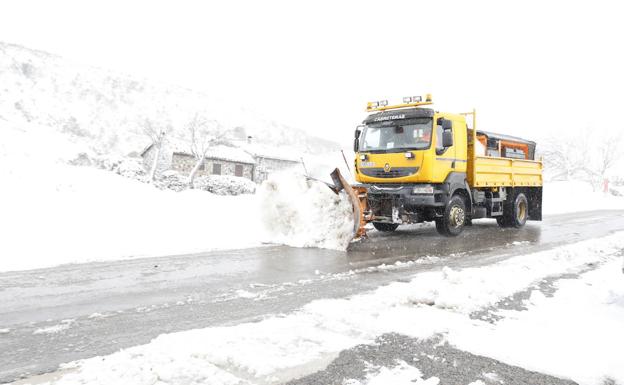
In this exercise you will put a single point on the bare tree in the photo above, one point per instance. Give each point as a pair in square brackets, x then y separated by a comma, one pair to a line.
[157, 132]
[608, 153]
[203, 134]
[582, 156]
[566, 157]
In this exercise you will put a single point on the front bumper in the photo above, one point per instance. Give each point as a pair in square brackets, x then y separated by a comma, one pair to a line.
[399, 203]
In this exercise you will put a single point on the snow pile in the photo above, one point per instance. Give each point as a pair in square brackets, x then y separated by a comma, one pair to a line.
[401, 374]
[305, 213]
[279, 348]
[574, 196]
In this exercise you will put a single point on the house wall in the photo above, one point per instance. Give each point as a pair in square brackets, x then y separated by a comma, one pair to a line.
[266, 166]
[164, 162]
[184, 163]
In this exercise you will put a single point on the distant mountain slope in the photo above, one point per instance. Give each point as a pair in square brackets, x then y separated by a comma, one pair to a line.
[108, 109]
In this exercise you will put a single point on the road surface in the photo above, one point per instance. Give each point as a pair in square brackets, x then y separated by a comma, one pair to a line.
[56, 315]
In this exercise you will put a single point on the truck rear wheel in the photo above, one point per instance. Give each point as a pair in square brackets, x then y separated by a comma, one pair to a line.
[452, 222]
[516, 213]
[386, 227]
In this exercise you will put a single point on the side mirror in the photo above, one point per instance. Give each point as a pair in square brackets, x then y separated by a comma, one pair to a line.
[356, 142]
[447, 125]
[447, 138]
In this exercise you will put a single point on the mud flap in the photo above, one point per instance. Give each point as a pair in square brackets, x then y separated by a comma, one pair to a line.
[357, 197]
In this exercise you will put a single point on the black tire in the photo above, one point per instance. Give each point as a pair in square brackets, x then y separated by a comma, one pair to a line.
[515, 212]
[520, 211]
[386, 227]
[452, 222]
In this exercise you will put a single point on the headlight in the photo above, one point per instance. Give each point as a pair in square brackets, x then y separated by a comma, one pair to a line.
[422, 190]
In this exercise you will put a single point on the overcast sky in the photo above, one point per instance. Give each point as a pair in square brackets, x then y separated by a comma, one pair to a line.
[530, 68]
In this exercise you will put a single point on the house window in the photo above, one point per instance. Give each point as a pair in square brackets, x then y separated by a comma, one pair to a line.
[202, 167]
[238, 170]
[216, 169]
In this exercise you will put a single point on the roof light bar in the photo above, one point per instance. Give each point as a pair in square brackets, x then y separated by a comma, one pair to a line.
[412, 99]
[408, 101]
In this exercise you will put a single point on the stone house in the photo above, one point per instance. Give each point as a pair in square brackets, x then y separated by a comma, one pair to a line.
[219, 160]
[252, 161]
[269, 158]
[265, 165]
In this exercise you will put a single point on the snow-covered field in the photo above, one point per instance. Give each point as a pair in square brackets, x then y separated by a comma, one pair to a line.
[553, 336]
[574, 196]
[54, 213]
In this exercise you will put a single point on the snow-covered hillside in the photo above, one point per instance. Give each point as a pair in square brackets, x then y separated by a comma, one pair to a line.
[108, 110]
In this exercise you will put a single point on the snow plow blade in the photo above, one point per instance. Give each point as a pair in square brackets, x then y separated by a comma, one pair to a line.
[359, 201]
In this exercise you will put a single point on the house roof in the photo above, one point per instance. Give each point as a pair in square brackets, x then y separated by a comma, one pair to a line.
[220, 152]
[232, 154]
[271, 152]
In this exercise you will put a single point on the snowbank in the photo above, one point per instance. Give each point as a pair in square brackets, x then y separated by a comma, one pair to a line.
[54, 213]
[304, 213]
[282, 347]
[577, 333]
[574, 196]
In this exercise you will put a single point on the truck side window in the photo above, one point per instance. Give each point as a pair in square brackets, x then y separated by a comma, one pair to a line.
[372, 138]
[439, 131]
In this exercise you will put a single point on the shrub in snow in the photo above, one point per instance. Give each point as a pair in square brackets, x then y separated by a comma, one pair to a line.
[168, 180]
[224, 185]
[171, 180]
[128, 167]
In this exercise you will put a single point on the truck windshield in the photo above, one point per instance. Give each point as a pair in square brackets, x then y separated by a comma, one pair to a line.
[395, 136]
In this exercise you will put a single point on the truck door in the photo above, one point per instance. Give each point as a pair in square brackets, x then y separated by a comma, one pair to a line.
[445, 156]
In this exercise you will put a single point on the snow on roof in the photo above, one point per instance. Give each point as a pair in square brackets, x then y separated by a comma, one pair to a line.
[221, 151]
[266, 151]
[232, 154]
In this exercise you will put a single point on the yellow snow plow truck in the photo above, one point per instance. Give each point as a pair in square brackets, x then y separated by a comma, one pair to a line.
[414, 164]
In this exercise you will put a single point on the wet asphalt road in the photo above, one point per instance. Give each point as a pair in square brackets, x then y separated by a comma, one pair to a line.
[60, 314]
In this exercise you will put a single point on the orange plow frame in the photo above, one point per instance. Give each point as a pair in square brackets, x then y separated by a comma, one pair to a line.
[358, 196]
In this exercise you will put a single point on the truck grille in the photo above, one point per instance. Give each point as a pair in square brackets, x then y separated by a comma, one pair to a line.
[397, 172]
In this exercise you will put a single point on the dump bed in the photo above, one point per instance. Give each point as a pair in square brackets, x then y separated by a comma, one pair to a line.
[496, 171]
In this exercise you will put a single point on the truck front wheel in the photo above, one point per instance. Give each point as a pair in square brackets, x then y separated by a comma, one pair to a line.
[386, 227]
[452, 222]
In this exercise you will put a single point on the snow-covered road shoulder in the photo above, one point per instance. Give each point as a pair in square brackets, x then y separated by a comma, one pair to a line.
[576, 333]
[283, 347]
